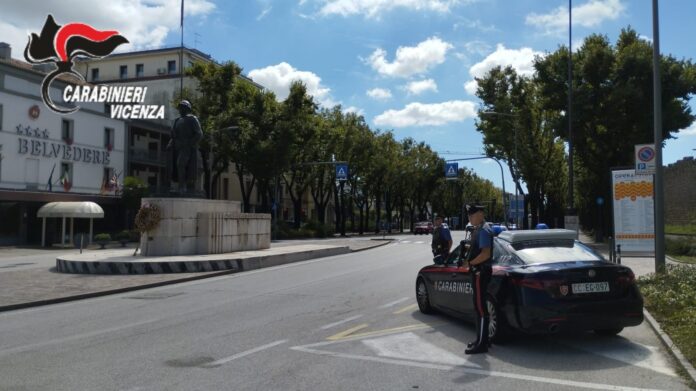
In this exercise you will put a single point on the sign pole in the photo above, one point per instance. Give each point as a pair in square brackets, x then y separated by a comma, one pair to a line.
[657, 117]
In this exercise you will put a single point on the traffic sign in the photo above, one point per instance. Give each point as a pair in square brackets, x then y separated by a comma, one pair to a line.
[451, 170]
[341, 172]
[645, 159]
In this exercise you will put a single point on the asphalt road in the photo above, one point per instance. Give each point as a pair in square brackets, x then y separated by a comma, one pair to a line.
[342, 323]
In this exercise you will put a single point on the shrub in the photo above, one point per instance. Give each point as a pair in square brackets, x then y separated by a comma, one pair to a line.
[683, 246]
[103, 237]
[123, 236]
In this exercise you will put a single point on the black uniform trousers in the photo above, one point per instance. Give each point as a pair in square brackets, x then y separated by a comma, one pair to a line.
[481, 277]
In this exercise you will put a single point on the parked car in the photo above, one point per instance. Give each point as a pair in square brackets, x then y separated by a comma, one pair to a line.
[544, 281]
[423, 227]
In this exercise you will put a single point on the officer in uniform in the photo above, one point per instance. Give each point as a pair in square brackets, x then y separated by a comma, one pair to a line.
[479, 259]
[442, 241]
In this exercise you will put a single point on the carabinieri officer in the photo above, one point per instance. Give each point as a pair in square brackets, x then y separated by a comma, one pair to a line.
[479, 259]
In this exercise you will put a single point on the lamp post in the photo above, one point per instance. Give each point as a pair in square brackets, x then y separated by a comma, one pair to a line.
[571, 218]
[657, 118]
[514, 129]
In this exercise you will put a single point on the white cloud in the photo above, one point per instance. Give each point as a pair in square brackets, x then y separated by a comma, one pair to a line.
[379, 93]
[421, 86]
[521, 60]
[374, 9]
[410, 60]
[470, 87]
[145, 23]
[278, 79]
[422, 114]
[353, 109]
[690, 131]
[264, 13]
[590, 15]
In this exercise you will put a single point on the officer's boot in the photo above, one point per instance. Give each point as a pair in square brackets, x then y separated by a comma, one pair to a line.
[481, 345]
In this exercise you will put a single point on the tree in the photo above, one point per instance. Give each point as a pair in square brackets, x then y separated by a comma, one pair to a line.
[519, 132]
[612, 107]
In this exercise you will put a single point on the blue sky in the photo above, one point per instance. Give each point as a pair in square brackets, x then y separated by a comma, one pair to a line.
[405, 65]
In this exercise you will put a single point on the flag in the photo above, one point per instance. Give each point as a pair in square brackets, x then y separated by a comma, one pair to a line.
[49, 185]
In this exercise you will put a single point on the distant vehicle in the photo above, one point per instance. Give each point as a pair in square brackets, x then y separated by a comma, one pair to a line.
[544, 281]
[423, 227]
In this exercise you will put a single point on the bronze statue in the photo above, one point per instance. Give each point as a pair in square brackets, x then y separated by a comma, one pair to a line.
[186, 133]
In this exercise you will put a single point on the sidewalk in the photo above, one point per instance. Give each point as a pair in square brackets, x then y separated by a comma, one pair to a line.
[41, 284]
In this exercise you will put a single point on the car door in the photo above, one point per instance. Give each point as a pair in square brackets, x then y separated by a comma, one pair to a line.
[455, 287]
[437, 278]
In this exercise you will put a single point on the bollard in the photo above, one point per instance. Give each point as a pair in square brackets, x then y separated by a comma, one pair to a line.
[618, 254]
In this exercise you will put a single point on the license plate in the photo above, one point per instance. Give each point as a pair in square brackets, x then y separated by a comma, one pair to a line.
[591, 287]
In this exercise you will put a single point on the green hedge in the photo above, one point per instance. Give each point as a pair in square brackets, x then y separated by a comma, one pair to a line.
[671, 299]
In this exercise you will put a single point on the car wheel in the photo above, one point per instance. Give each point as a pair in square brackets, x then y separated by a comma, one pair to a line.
[608, 332]
[423, 297]
[498, 331]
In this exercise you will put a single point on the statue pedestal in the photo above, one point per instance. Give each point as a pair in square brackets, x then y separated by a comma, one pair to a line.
[199, 226]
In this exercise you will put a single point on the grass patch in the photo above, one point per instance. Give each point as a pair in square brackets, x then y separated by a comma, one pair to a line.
[685, 258]
[680, 229]
[671, 299]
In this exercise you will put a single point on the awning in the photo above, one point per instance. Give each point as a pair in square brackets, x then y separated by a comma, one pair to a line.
[84, 210]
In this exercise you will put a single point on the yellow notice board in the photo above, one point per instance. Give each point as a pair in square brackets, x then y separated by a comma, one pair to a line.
[633, 206]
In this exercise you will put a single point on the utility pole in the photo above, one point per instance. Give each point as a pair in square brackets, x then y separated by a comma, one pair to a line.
[657, 117]
[571, 218]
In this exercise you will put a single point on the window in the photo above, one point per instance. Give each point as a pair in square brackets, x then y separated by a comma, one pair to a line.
[67, 133]
[225, 189]
[554, 251]
[171, 67]
[454, 255]
[139, 70]
[123, 71]
[108, 176]
[66, 178]
[109, 138]
[95, 74]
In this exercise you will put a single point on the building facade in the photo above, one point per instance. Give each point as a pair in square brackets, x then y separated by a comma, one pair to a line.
[47, 157]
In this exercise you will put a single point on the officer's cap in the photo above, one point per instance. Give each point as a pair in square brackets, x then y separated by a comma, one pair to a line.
[185, 103]
[471, 209]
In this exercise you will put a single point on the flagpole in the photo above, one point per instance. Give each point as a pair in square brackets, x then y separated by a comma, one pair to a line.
[181, 55]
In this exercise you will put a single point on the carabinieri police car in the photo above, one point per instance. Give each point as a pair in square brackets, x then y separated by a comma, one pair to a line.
[544, 281]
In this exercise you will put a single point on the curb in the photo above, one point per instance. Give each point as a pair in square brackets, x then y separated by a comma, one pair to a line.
[667, 341]
[386, 241]
[678, 261]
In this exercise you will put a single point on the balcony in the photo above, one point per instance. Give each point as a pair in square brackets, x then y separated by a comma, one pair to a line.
[148, 156]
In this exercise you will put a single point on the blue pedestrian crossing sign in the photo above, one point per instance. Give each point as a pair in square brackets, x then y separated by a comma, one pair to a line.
[341, 172]
[451, 170]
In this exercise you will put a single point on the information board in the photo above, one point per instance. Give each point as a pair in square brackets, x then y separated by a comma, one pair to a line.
[633, 206]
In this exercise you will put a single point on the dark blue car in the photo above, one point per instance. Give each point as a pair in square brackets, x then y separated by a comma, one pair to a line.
[544, 281]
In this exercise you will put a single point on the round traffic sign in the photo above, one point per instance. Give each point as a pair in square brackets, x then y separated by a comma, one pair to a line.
[646, 154]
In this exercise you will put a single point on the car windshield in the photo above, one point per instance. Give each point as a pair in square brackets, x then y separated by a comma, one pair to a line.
[554, 251]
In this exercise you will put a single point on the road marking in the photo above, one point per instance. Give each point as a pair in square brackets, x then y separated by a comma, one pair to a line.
[245, 353]
[406, 309]
[405, 241]
[419, 242]
[633, 353]
[348, 332]
[409, 346]
[393, 303]
[462, 368]
[71, 338]
[334, 324]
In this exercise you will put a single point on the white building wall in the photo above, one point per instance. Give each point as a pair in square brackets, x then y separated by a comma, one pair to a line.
[34, 163]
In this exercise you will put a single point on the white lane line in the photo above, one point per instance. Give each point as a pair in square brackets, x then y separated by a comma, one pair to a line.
[473, 371]
[57, 341]
[393, 303]
[334, 324]
[405, 241]
[245, 353]
[419, 242]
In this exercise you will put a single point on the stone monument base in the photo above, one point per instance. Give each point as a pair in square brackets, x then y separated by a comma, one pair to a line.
[199, 226]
